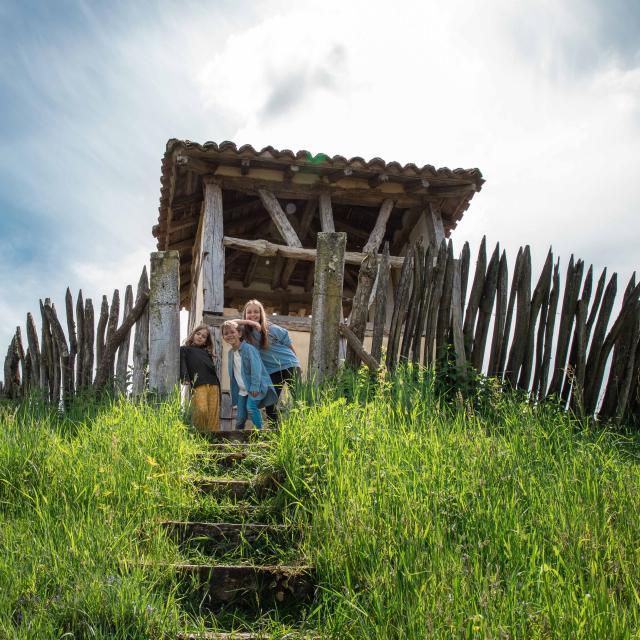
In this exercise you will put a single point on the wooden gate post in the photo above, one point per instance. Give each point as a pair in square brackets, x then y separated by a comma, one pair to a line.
[164, 322]
[326, 313]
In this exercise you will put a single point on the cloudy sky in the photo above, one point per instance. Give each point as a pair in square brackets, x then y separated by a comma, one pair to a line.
[543, 96]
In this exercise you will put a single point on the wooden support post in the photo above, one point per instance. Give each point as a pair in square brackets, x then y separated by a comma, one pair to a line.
[122, 361]
[279, 218]
[326, 213]
[327, 306]
[456, 317]
[380, 309]
[164, 325]
[89, 339]
[141, 340]
[360, 309]
[34, 349]
[435, 228]
[80, 326]
[379, 229]
[213, 260]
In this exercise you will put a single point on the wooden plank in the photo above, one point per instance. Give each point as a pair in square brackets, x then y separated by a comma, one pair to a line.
[540, 339]
[89, 339]
[354, 345]
[596, 302]
[540, 294]
[456, 318]
[327, 306]
[414, 305]
[71, 332]
[474, 297]
[623, 350]
[504, 348]
[360, 308]
[424, 283]
[444, 312]
[631, 375]
[141, 340]
[377, 234]
[597, 342]
[401, 303]
[46, 357]
[60, 341]
[279, 218]
[102, 328]
[380, 310]
[213, 262]
[34, 350]
[164, 322]
[567, 317]
[122, 362]
[112, 327]
[266, 248]
[80, 337]
[579, 335]
[521, 328]
[435, 228]
[485, 308]
[502, 289]
[435, 301]
[465, 259]
[628, 309]
[12, 380]
[326, 212]
[549, 332]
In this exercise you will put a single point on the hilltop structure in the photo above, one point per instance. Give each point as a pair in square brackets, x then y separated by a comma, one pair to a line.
[245, 221]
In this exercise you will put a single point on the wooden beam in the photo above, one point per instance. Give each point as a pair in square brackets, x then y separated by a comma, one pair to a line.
[251, 270]
[375, 238]
[356, 347]
[376, 181]
[279, 218]
[196, 165]
[334, 176]
[354, 196]
[435, 228]
[416, 186]
[326, 213]
[266, 248]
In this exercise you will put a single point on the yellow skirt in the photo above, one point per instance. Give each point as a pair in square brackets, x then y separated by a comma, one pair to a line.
[205, 407]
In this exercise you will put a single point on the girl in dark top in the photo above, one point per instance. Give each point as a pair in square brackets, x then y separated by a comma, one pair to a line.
[197, 370]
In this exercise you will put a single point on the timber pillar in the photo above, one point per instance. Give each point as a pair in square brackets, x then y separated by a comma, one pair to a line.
[164, 322]
[326, 312]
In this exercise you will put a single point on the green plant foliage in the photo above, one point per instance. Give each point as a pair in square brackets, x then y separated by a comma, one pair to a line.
[430, 516]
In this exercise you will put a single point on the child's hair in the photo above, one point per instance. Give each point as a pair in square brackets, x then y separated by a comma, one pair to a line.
[208, 345]
[229, 324]
[264, 326]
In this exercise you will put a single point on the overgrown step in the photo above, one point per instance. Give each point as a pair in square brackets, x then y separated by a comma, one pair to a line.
[244, 435]
[228, 454]
[222, 534]
[237, 489]
[249, 585]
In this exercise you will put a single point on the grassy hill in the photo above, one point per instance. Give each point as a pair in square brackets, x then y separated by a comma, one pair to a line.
[423, 519]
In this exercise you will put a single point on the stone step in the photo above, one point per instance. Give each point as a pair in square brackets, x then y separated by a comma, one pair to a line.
[248, 585]
[237, 489]
[221, 534]
[235, 435]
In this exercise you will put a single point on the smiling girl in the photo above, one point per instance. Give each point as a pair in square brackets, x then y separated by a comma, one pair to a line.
[274, 346]
[197, 370]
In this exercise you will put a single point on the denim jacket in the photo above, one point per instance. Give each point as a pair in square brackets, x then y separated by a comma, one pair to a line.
[254, 374]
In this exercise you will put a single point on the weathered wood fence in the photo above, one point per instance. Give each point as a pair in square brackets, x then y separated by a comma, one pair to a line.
[94, 357]
[541, 337]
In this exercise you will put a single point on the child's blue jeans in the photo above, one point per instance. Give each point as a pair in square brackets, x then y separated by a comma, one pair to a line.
[248, 404]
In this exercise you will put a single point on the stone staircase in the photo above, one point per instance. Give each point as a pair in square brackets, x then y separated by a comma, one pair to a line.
[241, 569]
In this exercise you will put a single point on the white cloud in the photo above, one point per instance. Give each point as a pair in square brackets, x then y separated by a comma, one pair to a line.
[522, 91]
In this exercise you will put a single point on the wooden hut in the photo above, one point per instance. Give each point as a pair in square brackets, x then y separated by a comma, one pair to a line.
[245, 221]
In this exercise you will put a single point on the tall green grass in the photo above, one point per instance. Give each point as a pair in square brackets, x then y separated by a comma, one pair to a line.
[427, 520]
[80, 498]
